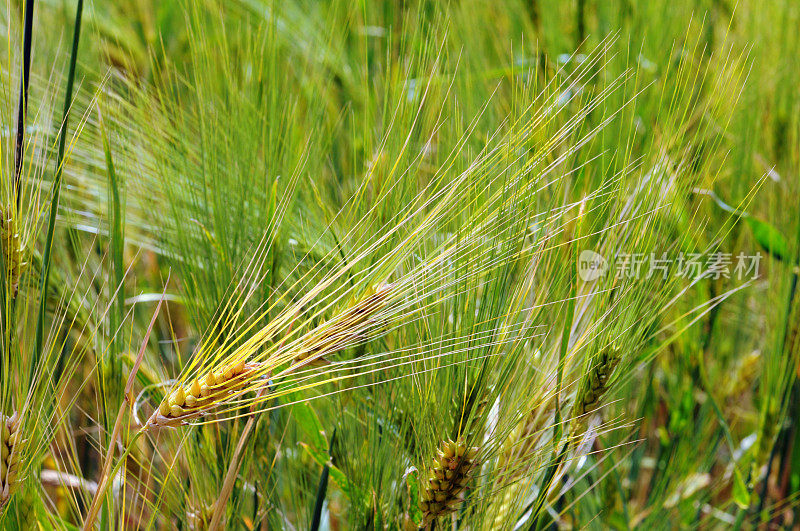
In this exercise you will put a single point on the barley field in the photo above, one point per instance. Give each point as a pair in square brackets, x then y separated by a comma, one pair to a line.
[400, 264]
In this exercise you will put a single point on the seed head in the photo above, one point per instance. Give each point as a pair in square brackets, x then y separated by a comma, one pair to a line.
[198, 397]
[595, 384]
[350, 327]
[13, 253]
[10, 455]
[453, 467]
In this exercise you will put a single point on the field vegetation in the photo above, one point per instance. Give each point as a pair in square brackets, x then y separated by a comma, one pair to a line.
[399, 264]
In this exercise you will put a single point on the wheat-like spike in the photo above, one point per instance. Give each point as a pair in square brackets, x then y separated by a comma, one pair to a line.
[503, 509]
[453, 467]
[197, 397]
[24, 502]
[194, 399]
[514, 450]
[767, 431]
[595, 385]
[347, 328]
[745, 372]
[13, 253]
[10, 455]
[505, 463]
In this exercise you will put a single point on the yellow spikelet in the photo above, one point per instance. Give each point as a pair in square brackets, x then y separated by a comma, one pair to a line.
[10, 455]
[505, 475]
[502, 510]
[452, 469]
[346, 329]
[519, 443]
[13, 253]
[744, 372]
[198, 397]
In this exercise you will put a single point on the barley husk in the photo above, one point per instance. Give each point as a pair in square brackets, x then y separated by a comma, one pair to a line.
[453, 467]
[199, 396]
[10, 455]
[13, 253]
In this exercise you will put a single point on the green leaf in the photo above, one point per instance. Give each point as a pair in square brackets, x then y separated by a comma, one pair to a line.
[412, 484]
[339, 477]
[740, 493]
[566, 332]
[311, 426]
[769, 238]
[45, 520]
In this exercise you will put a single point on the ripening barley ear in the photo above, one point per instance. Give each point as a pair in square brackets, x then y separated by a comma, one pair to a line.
[346, 329]
[453, 467]
[593, 386]
[514, 462]
[197, 398]
[13, 251]
[11, 453]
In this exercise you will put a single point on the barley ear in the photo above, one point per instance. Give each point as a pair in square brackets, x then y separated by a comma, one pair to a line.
[13, 253]
[199, 396]
[453, 467]
[594, 385]
[11, 454]
[350, 327]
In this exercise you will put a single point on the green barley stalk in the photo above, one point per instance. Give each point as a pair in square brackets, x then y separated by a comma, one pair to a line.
[59, 173]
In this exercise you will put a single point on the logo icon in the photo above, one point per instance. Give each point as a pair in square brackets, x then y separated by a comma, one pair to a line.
[591, 265]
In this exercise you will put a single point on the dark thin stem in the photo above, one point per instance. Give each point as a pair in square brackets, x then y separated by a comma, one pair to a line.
[8, 303]
[560, 503]
[22, 109]
[51, 222]
[581, 22]
[322, 490]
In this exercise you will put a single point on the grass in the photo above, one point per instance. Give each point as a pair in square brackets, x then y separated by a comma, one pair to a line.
[323, 265]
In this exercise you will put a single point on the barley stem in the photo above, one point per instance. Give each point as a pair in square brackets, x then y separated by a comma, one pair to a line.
[108, 473]
[22, 108]
[44, 278]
